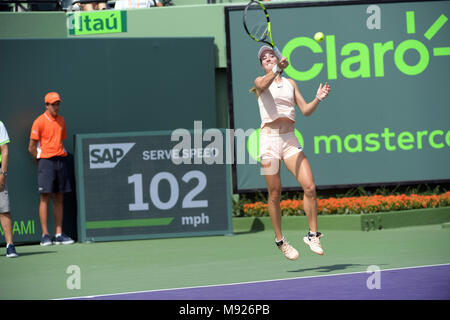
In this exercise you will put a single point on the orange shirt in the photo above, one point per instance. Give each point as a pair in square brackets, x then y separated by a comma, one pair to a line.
[50, 132]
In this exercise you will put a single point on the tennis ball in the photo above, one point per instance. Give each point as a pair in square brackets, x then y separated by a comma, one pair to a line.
[319, 36]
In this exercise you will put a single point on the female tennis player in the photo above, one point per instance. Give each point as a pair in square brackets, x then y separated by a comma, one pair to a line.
[277, 97]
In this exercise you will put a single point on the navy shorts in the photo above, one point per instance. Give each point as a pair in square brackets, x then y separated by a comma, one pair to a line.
[53, 175]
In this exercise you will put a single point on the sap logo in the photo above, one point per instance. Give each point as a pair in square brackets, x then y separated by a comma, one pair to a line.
[107, 155]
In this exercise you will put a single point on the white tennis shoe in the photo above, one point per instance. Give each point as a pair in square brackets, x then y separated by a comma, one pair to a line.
[289, 251]
[313, 241]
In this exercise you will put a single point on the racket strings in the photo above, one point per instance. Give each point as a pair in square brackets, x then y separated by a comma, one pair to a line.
[260, 31]
[256, 21]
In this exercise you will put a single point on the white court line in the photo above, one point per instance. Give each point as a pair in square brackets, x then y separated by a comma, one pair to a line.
[250, 282]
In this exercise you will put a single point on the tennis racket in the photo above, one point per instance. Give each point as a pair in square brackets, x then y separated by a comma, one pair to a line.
[257, 25]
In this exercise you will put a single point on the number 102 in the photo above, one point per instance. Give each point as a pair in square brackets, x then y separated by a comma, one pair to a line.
[188, 200]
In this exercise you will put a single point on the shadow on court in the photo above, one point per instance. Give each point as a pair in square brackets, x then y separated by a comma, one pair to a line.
[334, 267]
[257, 226]
[23, 254]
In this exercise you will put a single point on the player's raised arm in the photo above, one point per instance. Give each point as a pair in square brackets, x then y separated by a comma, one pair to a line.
[272, 67]
[308, 108]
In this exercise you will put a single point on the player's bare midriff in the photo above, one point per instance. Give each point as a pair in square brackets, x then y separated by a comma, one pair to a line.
[278, 126]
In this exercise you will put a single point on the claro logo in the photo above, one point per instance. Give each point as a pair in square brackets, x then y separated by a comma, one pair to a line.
[107, 155]
[362, 56]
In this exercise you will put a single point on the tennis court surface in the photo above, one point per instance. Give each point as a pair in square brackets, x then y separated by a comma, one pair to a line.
[414, 263]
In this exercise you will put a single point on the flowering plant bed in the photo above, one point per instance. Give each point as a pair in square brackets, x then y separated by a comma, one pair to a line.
[354, 205]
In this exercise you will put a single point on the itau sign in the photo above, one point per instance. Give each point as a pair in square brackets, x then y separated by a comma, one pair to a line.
[96, 22]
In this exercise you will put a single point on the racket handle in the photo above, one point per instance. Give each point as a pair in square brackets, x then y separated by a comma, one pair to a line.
[277, 53]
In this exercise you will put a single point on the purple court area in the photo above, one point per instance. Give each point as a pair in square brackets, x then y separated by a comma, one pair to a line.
[422, 283]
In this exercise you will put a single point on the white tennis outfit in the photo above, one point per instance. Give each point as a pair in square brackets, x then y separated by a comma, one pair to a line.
[274, 103]
[4, 197]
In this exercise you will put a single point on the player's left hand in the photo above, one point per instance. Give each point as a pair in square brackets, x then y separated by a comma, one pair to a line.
[323, 91]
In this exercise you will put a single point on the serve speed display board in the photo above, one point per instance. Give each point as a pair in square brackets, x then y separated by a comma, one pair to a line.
[387, 118]
[129, 187]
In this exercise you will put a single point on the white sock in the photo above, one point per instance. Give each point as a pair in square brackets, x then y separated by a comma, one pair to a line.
[58, 235]
[282, 239]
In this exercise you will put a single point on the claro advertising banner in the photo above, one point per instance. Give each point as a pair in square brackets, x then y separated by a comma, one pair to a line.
[387, 117]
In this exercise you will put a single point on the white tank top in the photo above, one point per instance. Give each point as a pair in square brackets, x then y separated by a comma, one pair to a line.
[277, 102]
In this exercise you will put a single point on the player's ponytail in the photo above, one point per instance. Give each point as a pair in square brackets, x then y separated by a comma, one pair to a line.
[255, 91]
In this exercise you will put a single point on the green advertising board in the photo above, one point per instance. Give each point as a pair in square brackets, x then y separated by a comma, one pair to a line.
[96, 22]
[106, 85]
[387, 117]
[129, 186]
